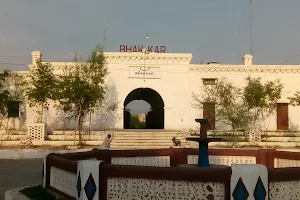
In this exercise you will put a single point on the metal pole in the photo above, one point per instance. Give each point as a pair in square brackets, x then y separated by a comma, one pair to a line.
[251, 39]
[104, 36]
[104, 42]
[146, 43]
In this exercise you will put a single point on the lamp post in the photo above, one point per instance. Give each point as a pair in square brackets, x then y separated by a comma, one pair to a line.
[251, 34]
[145, 51]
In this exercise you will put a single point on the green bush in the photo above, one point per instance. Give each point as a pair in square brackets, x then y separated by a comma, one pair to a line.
[135, 123]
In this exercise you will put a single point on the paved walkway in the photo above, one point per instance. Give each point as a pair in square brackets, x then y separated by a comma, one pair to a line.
[19, 173]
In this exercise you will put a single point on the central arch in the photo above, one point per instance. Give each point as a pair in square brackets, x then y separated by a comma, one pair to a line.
[155, 117]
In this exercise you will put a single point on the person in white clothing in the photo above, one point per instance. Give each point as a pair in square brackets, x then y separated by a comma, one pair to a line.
[107, 142]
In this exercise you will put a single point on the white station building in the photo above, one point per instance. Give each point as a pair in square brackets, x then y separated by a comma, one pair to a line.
[166, 81]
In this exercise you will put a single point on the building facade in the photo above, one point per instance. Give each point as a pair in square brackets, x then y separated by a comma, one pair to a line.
[166, 81]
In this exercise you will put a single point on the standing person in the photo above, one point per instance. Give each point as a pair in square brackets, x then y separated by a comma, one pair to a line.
[107, 141]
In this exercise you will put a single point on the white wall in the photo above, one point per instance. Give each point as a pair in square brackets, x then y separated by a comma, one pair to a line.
[178, 79]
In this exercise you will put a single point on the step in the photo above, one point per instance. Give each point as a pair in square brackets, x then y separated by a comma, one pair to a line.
[141, 140]
[146, 137]
[142, 144]
[280, 134]
[145, 130]
[12, 137]
[131, 148]
[71, 132]
[281, 139]
[147, 145]
[13, 132]
[225, 134]
[147, 134]
[240, 138]
[71, 137]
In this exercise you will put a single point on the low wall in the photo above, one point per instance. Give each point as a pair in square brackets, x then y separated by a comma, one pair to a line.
[141, 174]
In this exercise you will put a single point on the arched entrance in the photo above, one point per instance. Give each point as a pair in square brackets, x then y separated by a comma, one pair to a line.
[155, 117]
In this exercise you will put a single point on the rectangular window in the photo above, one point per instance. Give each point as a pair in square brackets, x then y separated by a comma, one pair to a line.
[209, 113]
[282, 116]
[13, 108]
[209, 81]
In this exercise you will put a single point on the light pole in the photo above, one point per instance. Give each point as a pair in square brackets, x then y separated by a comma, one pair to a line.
[250, 13]
[145, 51]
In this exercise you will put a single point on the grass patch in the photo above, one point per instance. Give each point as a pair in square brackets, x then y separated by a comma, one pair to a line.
[38, 193]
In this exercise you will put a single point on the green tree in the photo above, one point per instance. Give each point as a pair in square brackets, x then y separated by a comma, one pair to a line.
[15, 85]
[5, 95]
[295, 100]
[229, 105]
[135, 122]
[261, 99]
[10, 93]
[80, 88]
[241, 108]
[40, 87]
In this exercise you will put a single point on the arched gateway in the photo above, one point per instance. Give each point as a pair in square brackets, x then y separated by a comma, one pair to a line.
[154, 118]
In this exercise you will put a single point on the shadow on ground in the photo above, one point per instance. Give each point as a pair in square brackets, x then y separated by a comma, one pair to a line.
[19, 173]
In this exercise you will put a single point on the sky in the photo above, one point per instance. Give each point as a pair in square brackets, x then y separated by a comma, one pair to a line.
[212, 30]
[138, 106]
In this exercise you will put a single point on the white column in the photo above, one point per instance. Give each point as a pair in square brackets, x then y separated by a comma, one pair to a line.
[120, 117]
[248, 182]
[88, 179]
[169, 118]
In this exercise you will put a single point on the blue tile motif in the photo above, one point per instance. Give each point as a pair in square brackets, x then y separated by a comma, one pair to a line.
[260, 192]
[78, 186]
[90, 187]
[240, 191]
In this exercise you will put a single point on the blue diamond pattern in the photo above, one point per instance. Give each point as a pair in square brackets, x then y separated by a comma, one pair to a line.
[260, 190]
[78, 185]
[240, 191]
[90, 187]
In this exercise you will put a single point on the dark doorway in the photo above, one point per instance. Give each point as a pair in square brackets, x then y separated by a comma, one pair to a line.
[155, 117]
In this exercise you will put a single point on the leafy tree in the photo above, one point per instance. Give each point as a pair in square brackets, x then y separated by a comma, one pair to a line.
[5, 95]
[229, 105]
[262, 98]
[80, 88]
[40, 87]
[15, 85]
[135, 122]
[241, 108]
[295, 100]
[10, 90]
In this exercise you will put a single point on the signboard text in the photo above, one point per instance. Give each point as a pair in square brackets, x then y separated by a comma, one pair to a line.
[142, 72]
[136, 48]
